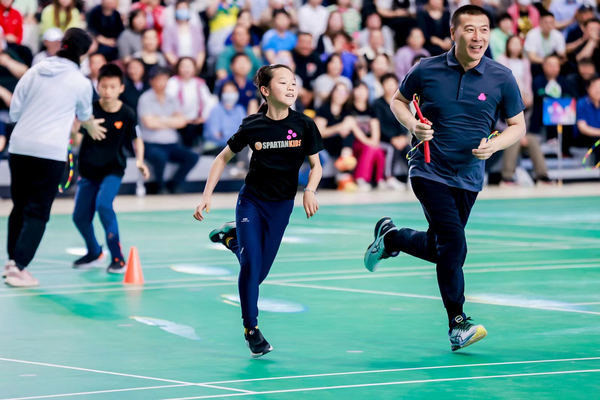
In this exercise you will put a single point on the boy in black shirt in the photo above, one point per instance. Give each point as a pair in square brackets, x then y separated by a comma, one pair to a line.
[101, 167]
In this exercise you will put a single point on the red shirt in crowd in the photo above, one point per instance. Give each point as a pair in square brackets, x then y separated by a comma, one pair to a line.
[12, 22]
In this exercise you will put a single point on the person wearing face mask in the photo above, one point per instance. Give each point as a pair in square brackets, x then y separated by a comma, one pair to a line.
[183, 38]
[224, 119]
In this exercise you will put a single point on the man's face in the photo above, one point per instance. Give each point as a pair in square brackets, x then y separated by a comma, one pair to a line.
[471, 36]
[587, 71]
[594, 91]
[304, 45]
[547, 24]
[551, 68]
[159, 83]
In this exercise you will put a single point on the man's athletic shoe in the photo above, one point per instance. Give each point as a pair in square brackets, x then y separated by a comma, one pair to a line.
[117, 267]
[257, 343]
[376, 251]
[89, 260]
[18, 278]
[465, 333]
[9, 263]
[221, 234]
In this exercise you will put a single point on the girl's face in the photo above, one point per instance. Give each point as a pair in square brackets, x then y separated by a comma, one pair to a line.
[436, 4]
[514, 47]
[150, 41]
[380, 66]
[135, 71]
[334, 68]
[374, 21]
[340, 95]
[245, 19]
[65, 3]
[282, 88]
[139, 22]
[361, 93]
[335, 22]
[187, 69]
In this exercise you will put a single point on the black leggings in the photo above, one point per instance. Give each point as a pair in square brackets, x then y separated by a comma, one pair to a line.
[33, 187]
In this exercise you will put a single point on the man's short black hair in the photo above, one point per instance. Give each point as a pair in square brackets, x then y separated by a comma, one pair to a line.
[157, 71]
[469, 9]
[110, 71]
[238, 55]
[387, 76]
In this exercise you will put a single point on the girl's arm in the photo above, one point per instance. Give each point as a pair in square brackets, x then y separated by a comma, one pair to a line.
[310, 194]
[213, 178]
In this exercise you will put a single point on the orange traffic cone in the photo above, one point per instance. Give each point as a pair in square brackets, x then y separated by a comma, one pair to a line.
[134, 275]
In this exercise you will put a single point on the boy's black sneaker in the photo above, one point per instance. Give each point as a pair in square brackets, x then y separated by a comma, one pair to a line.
[221, 234]
[117, 267]
[257, 343]
[89, 260]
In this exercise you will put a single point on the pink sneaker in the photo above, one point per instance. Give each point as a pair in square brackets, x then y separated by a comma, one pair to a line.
[9, 263]
[18, 278]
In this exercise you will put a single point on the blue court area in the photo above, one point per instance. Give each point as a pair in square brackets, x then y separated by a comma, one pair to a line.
[338, 331]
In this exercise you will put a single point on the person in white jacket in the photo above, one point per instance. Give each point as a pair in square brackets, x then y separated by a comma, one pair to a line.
[44, 105]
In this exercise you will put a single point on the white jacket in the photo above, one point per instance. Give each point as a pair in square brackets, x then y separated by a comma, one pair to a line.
[44, 106]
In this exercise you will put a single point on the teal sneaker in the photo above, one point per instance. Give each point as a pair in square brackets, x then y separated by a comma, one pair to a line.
[376, 250]
[220, 234]
[465, 333]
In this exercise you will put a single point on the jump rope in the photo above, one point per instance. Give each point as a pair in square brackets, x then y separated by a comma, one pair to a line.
[587, 155]
[412, 152]
[62, 188]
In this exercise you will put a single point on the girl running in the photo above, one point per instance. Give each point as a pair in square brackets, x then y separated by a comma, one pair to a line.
[280, 139]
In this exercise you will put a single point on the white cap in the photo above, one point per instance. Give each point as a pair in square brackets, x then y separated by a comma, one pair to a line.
[53, 35]
[524, 2]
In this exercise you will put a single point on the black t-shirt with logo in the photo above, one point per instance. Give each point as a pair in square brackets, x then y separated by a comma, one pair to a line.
[100, 158]
[278, 150]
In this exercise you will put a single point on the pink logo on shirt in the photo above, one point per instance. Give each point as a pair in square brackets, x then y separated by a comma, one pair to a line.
[482, 97]
[291, 134]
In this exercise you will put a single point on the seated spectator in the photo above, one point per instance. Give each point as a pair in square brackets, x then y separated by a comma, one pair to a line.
[308, 66]
[184, 39]
[342, 46]
[160, 117]
[240, 44]
[373, 48]
[135, 84]
[240, 65]
[588, 119]
[379, 67]
[524, 16]
[351, 17]
[194, 98]
[399, 16]
[52, 39]
[565, 11]
[97, 61]
[267, 16]
[31, 35]
[435, 24]
[550, 84]
[130, 41]
[150, 55]
[580, 80]
[154, 14]
[224, 120]
[370, 157]
[373, 23]
[105, 24]
[312, 18]
[395, 139]
[245, 21]
[403, 60]
[195, 7]
[222, 16]
[531, 143]
[575, 36]
[280, 38]
[335, 24]
[591, 47]
[339, 129]
[11, 22]
[12, 67]
[520, 67]
[499, 35]
[544, 41]
[324, 84]
[60, 14]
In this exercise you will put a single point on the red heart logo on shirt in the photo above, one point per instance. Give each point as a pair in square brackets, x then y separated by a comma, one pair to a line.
[118, 124]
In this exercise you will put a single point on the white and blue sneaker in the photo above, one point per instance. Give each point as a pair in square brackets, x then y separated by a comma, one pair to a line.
[464, 333]
[376, 250]
[221, 234]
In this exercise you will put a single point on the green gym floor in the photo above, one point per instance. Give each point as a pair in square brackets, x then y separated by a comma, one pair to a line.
[338, 331]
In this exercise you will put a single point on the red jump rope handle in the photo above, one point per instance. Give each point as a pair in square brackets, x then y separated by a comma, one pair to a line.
[425, 144]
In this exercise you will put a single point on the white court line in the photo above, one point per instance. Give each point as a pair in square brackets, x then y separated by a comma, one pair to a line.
[97, 392]
[466, 378]
[125, 375]
[418, 296]
[380, 371]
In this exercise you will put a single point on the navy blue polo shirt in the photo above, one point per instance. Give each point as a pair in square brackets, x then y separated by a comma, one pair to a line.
[587, 111]
[463, 108]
